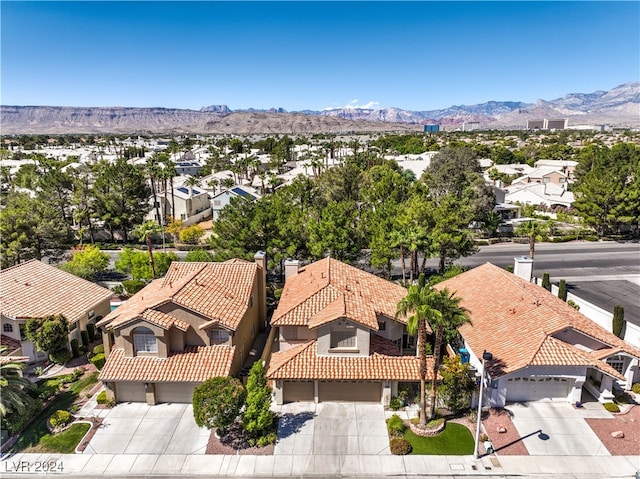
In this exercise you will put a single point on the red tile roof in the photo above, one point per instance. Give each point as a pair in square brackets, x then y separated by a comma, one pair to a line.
[329, 289]
[218, 291]
[384, 363]
[11, 344]
[194, 364]
[516, 320]
[35, 290]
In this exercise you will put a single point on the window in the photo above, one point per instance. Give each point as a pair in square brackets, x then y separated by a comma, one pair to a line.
[23, 333]
[7, 328]
[92, 314]
[216, 202]
[382, 325]
[617, 363]
[219, 336]
[144, 341]
[343, 339]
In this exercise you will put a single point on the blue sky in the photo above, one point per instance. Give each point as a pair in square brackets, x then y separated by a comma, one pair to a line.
[313, 55]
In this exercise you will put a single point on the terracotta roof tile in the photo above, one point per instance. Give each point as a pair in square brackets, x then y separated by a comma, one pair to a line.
[218, 291]
[164, 320]
[194, 364]
[513, 319]
[11, 344]
[303, 362]
[35, 290]
[316, 287]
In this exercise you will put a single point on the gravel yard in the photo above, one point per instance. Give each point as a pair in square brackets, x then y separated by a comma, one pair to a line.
[627, 422]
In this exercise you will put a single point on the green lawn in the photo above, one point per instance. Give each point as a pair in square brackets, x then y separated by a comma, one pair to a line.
[36, 436]
[455, 440]
[64, 442]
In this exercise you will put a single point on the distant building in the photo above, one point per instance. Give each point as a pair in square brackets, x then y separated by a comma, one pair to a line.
[191, 168]
[547, 124]
[471, 126]
[431, 128]
[223, 198]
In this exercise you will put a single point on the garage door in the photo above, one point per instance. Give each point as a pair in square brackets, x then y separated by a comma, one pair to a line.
[175, 392]
[349, 391]
[130, 392]
[297, 391]
[536, 389]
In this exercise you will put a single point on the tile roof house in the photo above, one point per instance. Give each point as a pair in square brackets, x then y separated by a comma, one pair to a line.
[34, 290]
[338, 338]
[542, 348]
[198, 322]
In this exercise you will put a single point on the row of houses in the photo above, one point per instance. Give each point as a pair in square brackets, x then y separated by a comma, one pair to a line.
[334, 335]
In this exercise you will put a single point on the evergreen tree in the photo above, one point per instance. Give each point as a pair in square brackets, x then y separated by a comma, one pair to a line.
[562, 290]
[618, 320]
[546, 283]
[258, 420]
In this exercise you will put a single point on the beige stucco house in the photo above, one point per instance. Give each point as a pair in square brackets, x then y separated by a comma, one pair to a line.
[198, 322]
[35, 290]
[543, 349]
[338, 338]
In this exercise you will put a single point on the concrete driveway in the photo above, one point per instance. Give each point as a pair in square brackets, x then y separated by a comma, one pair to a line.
[557, 428]
[332, 429]
[136, 428]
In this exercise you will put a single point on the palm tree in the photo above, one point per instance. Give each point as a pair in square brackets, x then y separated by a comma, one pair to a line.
[13, 387]
[398, 241]
[451, 317]
[534, 231]
[145, 231]
[228, 183]
[171, 173]
[154, 171]
[419, 307]
[192, 182]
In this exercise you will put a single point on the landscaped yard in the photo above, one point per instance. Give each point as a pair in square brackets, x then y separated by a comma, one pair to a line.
[36, 437]
[455, 440]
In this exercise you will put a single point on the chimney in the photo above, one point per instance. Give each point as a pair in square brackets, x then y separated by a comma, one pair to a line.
[523, 267]
[291, 267]
[261, 260]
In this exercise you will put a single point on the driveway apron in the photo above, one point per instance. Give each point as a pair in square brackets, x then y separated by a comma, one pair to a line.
[555, 429]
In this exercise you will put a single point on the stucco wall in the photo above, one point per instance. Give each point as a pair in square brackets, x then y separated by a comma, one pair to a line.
[362, 339]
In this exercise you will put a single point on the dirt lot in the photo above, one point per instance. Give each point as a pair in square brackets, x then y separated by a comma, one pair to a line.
[627, 422]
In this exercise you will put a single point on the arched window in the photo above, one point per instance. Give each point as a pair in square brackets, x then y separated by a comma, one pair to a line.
[144, 341]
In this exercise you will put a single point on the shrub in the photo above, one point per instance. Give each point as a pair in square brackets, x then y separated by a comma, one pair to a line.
[509, 268]
[74, 348]
[611, 407]
[636, 388]
[76, 374]
[562, 290]
[396, 403]
[15, 421]
[99, 349]
[98, 360]
[85, 338]
[118, 289]
[267, 439]
[132, 286]
[574, 305]
[400, 446]
[395, 425]
[60, 418]
[217, 402]
[258, 421]
[623, 397]
[198, 255]
[618, 320]
[102, 398]
[60, 356]
[546, 283]
[191, 234]
[91, 331]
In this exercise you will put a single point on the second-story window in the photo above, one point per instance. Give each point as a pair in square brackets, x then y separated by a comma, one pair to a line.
[219, 336]
[343, 339]
[7, 328]
[144, 341]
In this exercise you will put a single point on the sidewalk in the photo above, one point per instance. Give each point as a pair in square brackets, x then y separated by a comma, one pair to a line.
[144, 465]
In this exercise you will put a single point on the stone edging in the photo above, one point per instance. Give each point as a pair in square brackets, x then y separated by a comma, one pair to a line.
[81, 442]
[428, 432]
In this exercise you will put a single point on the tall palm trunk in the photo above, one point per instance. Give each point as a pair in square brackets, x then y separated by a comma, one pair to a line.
[173, 201]
[404, 268]
[532, 245]
[436, 366]
[150, 251]
[422, 353]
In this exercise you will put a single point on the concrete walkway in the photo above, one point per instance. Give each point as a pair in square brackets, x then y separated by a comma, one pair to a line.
[362, 465]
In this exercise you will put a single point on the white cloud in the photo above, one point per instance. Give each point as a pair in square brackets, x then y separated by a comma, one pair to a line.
[355, 104]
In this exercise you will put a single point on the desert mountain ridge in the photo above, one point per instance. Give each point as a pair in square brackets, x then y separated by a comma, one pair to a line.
[619, 106]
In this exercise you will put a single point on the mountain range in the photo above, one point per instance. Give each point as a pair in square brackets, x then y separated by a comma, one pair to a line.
[619, 106]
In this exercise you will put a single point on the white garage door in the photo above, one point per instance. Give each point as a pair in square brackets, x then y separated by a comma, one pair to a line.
[297, 391]
[349, 391]
[175, 392]
[537, 389]
[130, 392]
